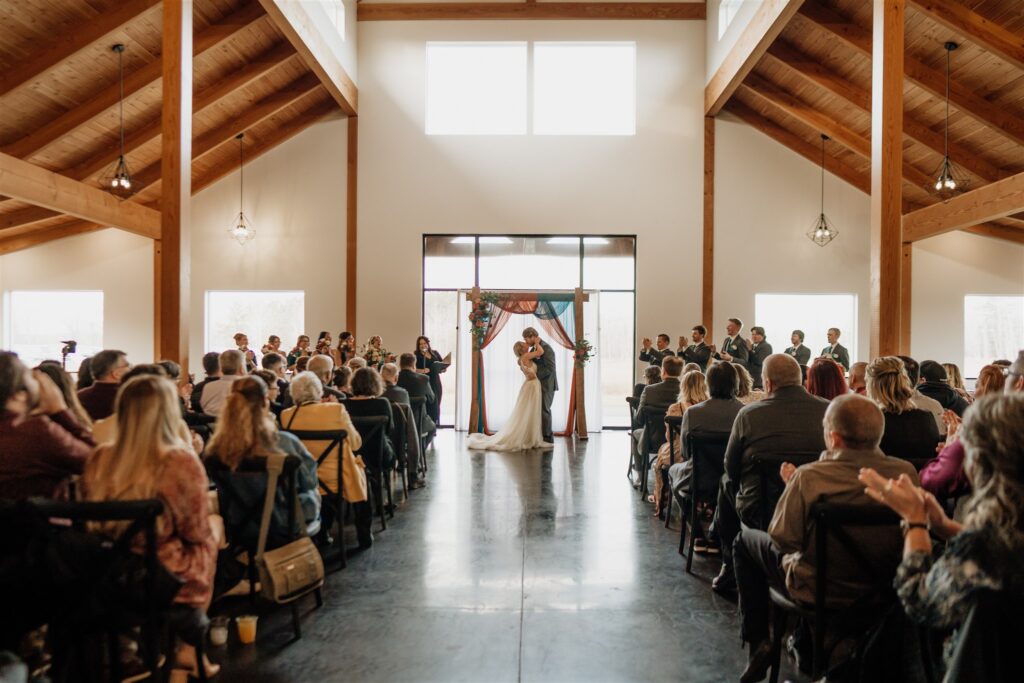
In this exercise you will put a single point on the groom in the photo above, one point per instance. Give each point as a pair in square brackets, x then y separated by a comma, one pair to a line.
[547, 377]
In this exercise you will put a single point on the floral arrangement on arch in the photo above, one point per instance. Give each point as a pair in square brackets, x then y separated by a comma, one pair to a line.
[480, 317]
[583, 352]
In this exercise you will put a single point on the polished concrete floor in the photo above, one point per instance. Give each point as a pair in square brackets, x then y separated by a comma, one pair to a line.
[510, 567]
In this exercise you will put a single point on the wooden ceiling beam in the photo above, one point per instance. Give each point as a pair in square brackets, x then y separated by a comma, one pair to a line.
[316, 49]
[987, 203]
[68, 43]
[24, 217]
[413, 11]
[143, 77]
[995, 116]
[813, 72]
[992, 37]
[27, 240]
[998, 231]
[768, 22]
[25, 182]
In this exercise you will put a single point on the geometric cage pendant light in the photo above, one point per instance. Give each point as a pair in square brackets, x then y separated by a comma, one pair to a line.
[118, 180]
[241, 229]
[949, 179]
[822, 232]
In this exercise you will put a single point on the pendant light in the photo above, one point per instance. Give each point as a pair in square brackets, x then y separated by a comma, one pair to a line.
[118, 181]
[822, 232]
[241, 229]
[950, 179]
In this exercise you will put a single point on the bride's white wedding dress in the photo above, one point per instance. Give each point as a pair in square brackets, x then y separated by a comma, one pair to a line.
[523, 429]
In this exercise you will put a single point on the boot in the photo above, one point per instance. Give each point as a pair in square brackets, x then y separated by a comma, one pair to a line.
[364, 519]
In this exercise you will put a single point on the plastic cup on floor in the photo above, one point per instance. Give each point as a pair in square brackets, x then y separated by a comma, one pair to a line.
[219, 631]
[246, 628]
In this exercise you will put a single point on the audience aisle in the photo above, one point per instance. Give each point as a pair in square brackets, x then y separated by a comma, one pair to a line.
[506, 567]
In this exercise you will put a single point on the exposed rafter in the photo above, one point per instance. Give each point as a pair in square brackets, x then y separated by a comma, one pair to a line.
[413, 11]
[66, 44]
[999, 231]
[1006, 45]
[996, 200]
[34, 238]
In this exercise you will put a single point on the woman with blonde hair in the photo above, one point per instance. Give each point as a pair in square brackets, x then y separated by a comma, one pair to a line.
[955, 379]
[747, 393]
[62, 379]
[149, 458]
[693, 389]
[910, 433]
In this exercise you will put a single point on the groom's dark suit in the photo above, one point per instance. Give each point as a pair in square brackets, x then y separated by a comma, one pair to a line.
[548, 386]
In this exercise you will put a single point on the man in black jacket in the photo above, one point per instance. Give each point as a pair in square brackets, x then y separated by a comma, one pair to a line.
[934, 385]
[416, 385]
[698, 352]
[759, 351]
[211, 366]
[654, 356]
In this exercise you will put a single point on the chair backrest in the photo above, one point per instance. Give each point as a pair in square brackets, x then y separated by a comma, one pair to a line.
[634, 403]
[707, 451]
[654, 428]
[771, 484]
[419, 411]
[987, 641]
[372, 430]
[335, 439]
[241, 495]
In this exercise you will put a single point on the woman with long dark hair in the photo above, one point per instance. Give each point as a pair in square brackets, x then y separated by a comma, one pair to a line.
[345, 350]
[425, 359]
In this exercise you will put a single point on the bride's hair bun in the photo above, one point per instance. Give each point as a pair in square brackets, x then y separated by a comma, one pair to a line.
[519, 348]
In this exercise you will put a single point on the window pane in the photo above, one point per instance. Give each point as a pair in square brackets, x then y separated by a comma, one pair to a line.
[993, 329]
[584, 88]
[608, 262]
[615, 350]
[448, 262]
[40, 321]
[780, 314]
[529, 262]
[441, 325]
[476, 88]
[257, 314]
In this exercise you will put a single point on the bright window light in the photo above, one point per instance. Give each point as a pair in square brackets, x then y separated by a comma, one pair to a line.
[336, 13]
[780, 314]
[584, 88]
[993, 329]
[257, 314]
[38, 322]
[476, 89]
[726, 13]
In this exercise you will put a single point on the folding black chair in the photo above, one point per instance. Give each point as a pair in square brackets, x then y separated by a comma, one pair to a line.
[768, 465]
[673, 425]
[335, 439]
[372, 430]
[634, 445]
[654, 437]
[419, 411]
[707, 453]
[833, 521]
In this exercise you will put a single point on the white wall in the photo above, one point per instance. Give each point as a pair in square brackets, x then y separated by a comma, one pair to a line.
[410, 184]
[717, 49]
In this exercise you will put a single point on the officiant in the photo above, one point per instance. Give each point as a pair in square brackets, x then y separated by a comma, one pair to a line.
[430, 363]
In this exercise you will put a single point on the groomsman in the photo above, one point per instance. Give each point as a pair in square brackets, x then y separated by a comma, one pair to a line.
[801, 353]
[735, 349]
[759, 350]
[835, 350]
[698, 352]
[654, 356]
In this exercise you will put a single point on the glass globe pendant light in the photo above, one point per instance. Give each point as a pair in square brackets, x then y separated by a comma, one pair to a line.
[822, 232]
[241, 229]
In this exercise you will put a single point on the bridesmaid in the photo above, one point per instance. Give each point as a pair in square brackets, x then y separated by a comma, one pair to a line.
[425, 358]
[346, 349]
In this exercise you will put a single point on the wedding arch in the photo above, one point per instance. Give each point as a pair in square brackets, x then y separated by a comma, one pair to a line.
[560, 314]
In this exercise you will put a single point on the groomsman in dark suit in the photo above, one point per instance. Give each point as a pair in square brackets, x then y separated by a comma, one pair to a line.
[654, 356]
[698, 352]
[759, 350]
[798, 350]
[835, 350]
[735, 349]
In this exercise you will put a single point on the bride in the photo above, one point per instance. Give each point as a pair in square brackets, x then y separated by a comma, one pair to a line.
[523, 429]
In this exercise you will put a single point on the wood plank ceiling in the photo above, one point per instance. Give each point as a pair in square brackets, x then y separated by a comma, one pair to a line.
[59, 96]
[816, 78]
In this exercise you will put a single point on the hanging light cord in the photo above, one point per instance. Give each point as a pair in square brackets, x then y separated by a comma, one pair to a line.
[120, 78]
[241, 173]
[823, 175]
[945, 139]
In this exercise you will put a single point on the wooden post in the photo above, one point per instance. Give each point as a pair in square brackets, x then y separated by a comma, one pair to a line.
[906, 292]
[474, 398]
[581, 404]
[171, 252]
[707, 313]
[351, 225]
[886, 175]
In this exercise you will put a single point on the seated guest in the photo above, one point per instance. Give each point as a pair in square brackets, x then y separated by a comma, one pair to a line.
[910, 432]
[784, 557]
[245, 430]
[693, 389]
[747, 394]
[301, 350]
[367, 401]
[149, 459]
[692, 367]
[913, 370]
[274, 406]
[655, 356]
[310, 412]
[657, 397]
[956, 380]
[194, 420]
[356, 362]
[652, 375]
[416, 385]
[323, 367]
[107, 367]
[393, 392]
[858, 378]
[62, 379]
[696, 352]
[801, 353]
[934, 385]
[990, 381]
[277, 364]
[85, 378]
[825, 379]
[787, 420]
[984, 554]
[301, 365]
[1015, 375]
[42, 445]
[342, 380]
[105, 431]
[232, 366]
[759, 350]
[211, 367]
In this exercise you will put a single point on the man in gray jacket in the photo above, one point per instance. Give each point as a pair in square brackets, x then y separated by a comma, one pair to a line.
[658, 397]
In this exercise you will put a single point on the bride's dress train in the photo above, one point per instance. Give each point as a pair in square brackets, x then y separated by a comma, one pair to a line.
[523, 429]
